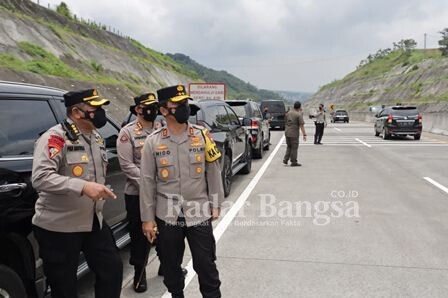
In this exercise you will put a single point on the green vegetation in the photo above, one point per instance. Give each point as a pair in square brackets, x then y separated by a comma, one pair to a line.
[381, 66]
[63, 9]
[96, 66]
[443, 43]
[236, 88]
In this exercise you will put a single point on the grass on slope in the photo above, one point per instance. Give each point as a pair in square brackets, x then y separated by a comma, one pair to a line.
[382, 66]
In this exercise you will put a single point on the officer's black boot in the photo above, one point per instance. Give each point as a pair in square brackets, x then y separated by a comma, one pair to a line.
[140, 284]
[178, 295]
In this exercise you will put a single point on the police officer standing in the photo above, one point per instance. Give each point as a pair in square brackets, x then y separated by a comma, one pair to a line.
[69, 170]
[129, 146]
[320, 122]
[181, 193]
[293, 124]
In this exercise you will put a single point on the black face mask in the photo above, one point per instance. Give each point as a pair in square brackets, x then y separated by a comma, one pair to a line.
[182, 113]
[149, 113]
[99, 117]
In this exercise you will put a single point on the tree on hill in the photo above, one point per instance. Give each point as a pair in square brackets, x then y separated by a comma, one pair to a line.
[405, 44]
[443, 43]
[63, 9]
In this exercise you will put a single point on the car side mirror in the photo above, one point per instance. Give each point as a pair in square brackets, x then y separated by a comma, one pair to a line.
[246, 122]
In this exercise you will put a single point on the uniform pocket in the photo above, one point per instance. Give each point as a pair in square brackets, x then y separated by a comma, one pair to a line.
[196, 165]
[105, 161]
[77, 164]
[165, 168]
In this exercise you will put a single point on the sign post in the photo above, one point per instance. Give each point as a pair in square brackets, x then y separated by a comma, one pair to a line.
[200, 91]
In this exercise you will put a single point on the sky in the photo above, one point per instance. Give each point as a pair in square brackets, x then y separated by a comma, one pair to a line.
[294, 45]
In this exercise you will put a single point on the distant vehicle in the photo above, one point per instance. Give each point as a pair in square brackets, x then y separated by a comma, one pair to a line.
[340, 115]
[26, 112]
[277, 111]
[228, 132]
[259, 133]
[399, 121]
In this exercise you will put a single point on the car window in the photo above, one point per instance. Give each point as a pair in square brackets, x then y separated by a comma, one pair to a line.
[405, 112]
[384, 112]
[217, 116]
[109, 134]
[274, 106]
[22, 122]
[232, 116]
[256, 110]
[240, 111]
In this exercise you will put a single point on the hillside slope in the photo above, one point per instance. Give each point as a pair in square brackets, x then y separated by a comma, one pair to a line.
[37, 45]
[419, 77]
[236, 88]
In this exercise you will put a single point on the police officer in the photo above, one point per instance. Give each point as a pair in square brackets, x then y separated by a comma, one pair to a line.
[293, 124]
[181, 193]
[129, 146]
[320, 122]
[69, 169]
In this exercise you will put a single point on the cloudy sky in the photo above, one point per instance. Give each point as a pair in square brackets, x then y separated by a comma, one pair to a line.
[295, 45]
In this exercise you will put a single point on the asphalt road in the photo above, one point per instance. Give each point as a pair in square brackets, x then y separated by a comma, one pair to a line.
[363, 217]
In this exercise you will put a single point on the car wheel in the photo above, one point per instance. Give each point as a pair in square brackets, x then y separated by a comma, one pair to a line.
[247, 160]
[10, 284]
[258, 153]
[385, 135]
[417, 137]
[226, 175]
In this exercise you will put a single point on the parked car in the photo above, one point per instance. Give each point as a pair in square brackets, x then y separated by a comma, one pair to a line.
[340, 115]
[277, 111]
[259, 132]
[399, 121]
[27, 111]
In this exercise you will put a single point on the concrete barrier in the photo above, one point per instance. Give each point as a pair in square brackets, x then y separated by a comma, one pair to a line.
[434, 122]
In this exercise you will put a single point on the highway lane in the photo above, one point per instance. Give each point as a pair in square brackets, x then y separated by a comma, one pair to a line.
[357, 219]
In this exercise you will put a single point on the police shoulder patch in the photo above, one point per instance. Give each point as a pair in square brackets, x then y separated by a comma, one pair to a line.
[55, 145]
[124, 138]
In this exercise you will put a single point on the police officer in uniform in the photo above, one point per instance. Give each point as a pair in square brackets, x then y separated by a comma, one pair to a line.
[293, 124]
[320, 122]
[69, 170]
[129, 146]
[181, 193]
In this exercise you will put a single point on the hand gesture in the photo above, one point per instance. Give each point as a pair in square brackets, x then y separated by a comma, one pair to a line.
[97, 191]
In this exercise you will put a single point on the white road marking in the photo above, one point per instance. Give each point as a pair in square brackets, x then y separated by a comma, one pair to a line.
[337, 129]
[230, 215]
[362, 142]
[436, 184]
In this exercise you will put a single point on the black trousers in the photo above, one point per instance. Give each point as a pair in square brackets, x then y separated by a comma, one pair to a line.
[292, 147]
[139, 244]
[319, 132]
[60, 255]
[203, 249]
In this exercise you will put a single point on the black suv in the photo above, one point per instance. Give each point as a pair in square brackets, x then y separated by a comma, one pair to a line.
[399, 121]
[27, 111]
[229, 134]
[259, 132]
[276, 111]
